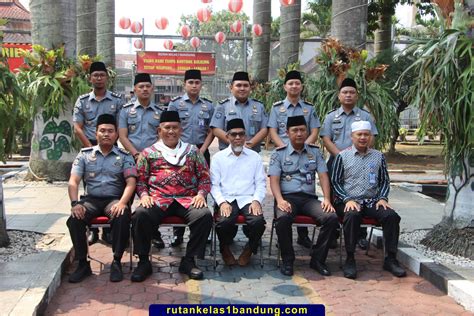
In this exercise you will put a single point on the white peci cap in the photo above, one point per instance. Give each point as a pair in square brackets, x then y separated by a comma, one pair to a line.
[361, 125]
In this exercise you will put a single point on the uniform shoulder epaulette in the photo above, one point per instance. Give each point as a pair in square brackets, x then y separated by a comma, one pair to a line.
[206, 99]
[313, 145]
[257, 100]
[176, 98]
[85, 95]
[127, 105]
[307, 102]
[364, 110]
[281, 147]
[224, 101]
[124, 151]
[86, 149]
[115, 94]
[332, 111]
[278, 103]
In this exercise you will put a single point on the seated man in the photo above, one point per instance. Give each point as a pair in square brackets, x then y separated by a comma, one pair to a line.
[238, 187]
[173, 179]
[361, 186]
[96, 166]
[292, 179]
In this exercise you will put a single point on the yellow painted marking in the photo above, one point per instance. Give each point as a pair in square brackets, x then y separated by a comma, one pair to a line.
[309, 292]
[194, 291]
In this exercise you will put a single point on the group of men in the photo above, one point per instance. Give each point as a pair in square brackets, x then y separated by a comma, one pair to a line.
[166, 163]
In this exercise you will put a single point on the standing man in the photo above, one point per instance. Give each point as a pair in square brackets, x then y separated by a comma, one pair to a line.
[238, 187]
[292, 173]
[336, 130]
[173, 179]
[96, 166]
[87, 109]
[361, 185]
[195, 113]
[293, 105]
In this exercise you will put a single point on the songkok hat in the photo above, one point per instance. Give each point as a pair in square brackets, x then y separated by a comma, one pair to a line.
[169, 116]
[293, 74]
[97, 66]
[241, 75]
[361, 125]
[295, 121]
[235, 123]
[192, 74]
[348, 82]
[106, 119]
[142, 77]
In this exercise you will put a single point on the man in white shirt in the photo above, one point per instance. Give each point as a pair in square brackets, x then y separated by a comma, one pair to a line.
[238, 187]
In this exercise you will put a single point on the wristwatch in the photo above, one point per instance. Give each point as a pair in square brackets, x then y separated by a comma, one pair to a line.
[74, 203]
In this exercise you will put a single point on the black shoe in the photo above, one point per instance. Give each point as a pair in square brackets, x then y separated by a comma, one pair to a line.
[350, 268]
[320, 267]
[363, 243]
[106, 236]
[142, 271]
[82, 272]
[93, 236]
[116, 274]
[178, 240]
[392, 265]
[304, 241]
[286, 268]
[158, 242]
[188, 266]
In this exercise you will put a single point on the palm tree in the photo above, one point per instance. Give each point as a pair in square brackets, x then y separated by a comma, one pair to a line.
[261, 44]
[86, 27]
[106, 31]
[290, 33]
[349, 22]
[317, 22]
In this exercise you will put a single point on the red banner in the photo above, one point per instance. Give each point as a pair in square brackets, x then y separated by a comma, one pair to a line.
[12, 52]
[175, 63]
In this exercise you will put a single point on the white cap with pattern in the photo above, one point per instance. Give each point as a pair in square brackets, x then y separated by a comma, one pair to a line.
[361, 125]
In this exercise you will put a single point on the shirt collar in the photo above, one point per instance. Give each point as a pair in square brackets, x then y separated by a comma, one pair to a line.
[96, 149]
[291, 150]
[137, 104]
[236, 102]
[340, 111]
[356, 152]
[228, 151]
[287, 103]
[107, 95]
[186, 98]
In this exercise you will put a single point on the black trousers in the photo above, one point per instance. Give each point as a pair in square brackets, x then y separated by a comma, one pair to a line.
[389, 219]
[255, 223]
[97, 207]
[304, 204]
[146, 220]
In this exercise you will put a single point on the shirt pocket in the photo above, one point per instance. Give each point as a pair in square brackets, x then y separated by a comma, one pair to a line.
[133, 122]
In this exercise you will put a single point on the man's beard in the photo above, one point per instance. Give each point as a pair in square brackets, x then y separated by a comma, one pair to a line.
[237, 149]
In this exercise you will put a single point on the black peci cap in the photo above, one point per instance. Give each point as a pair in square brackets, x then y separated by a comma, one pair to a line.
[142, 77]
[192, 74]
[348, 82]
[241, 75]
[235, 123]
[295, 121]
[293, 74]
[97, 66]
[169, 116]
[106, 119]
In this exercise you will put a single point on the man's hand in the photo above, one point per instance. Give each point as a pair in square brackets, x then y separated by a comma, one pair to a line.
[202, 150]
[352, 206]
[118, 209]
[382, 203]
[199, 201]
[327, 206]
[255, 208]
[225, 209]
[78, 211]
[249, 144]
[284, 205]
[147, 201]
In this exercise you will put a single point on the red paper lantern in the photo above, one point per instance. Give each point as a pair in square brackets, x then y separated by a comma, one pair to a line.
[138, 44]
[161, 23]
[220, 37]
[136, 27]
[168, 44]
[195, 42]
[185, 31]
[124, 23]
[257, 29]
[203, 15]
[235, 5]
[236, 27]
[206, 1]
[286, 3]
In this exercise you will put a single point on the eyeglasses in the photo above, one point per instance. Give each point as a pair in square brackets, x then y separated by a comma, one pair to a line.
[235, 134]
[99, 75]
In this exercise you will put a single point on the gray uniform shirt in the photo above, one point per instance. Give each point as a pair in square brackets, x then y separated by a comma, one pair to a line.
[337, 125]
[195, 118]
[87, 109]
[141, 122]
[104, 176]
[251, 112]
[284, 109]
[297, 171]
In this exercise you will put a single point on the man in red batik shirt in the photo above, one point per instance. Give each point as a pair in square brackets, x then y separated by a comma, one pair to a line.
[173, 179]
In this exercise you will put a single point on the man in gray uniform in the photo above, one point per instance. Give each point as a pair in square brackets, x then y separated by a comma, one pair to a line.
[109, 174]
[293, 105]
[361, 185]
[292, 173]
[336, 130]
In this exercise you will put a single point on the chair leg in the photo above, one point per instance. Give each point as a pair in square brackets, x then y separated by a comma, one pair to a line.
[130, 248]
[312, 241]
[261, 253]
[340, 244]
[370, 240]
[271, 238]
[214, 244]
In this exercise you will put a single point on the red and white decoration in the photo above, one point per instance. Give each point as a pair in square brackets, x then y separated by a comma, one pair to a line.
[286, 3]
[185, 31]
[203, 15]
[236, 27]
[136, 27]
[206, 1]
[220, 38]
[257, 29]
[235, 5]
[195, 42]
[124, 23]
[168, 44]
[138, 43]
[161, 23]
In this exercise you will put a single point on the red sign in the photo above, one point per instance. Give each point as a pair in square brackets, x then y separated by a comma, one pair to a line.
[12, 52]
[175, 63]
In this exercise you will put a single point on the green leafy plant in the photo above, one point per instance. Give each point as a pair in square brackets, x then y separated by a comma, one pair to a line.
[403, 132]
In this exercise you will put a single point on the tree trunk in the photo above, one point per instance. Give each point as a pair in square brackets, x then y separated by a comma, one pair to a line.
[262, 14]
[349, 22]
[383, 34]
[4, 240]
[106, 31]
[290, 33]
[86, 27]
